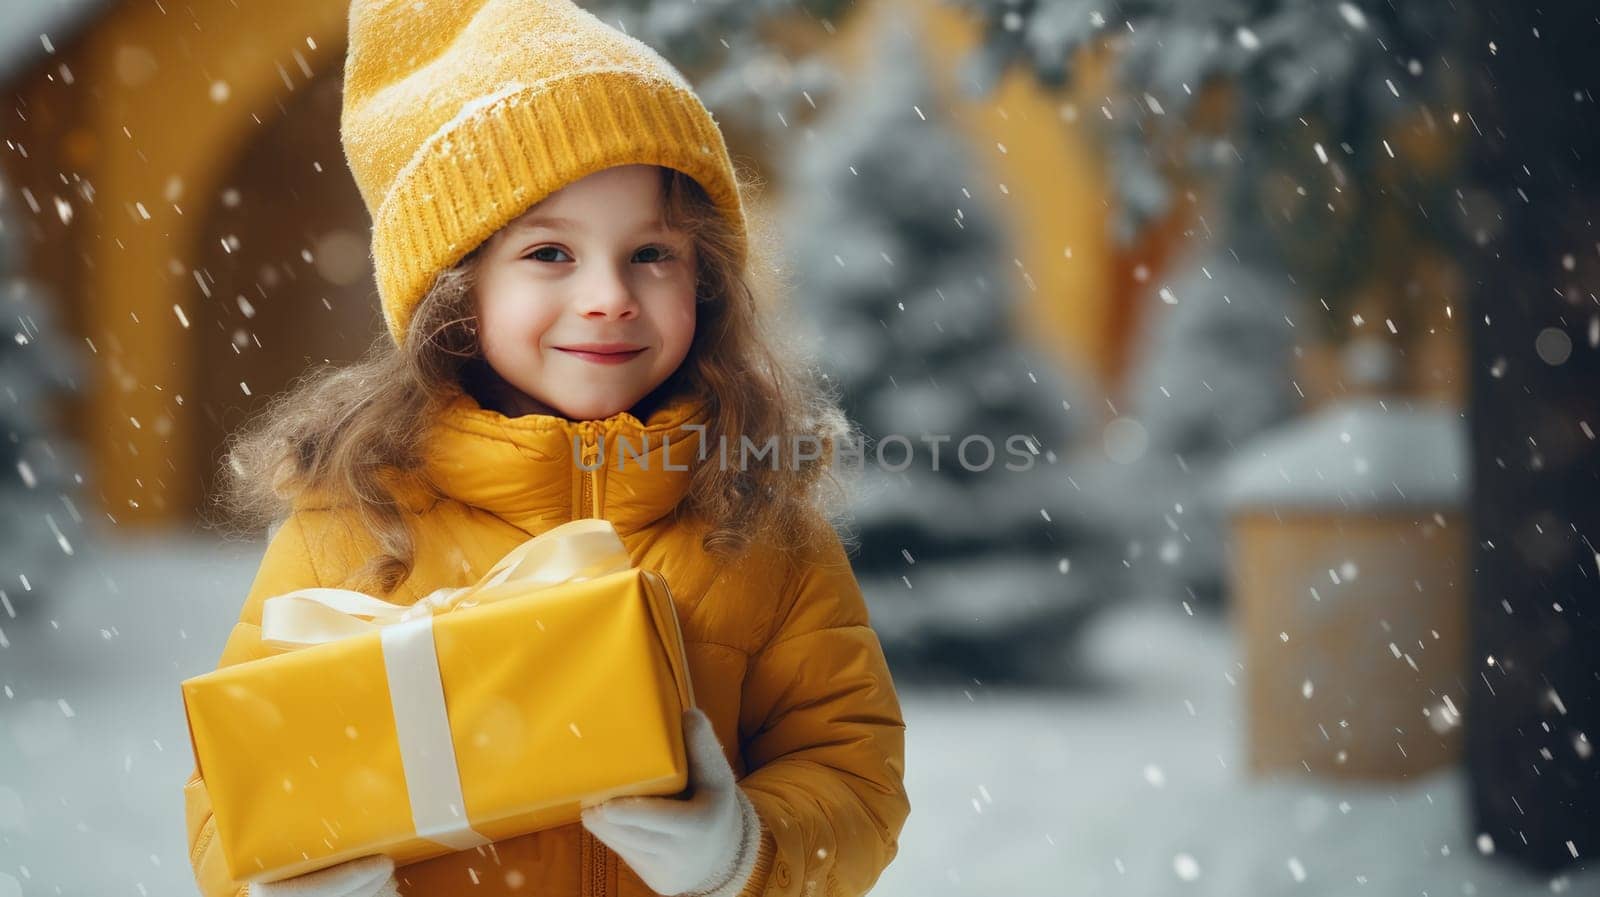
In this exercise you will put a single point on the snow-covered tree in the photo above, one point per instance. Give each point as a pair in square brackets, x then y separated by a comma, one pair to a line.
[40, 522]
[1322, 127]
[1207, 373]
[902, 273]
[1308, 96]
[725, 47]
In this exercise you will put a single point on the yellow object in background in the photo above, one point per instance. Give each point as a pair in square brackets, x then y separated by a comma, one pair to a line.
[560, 680]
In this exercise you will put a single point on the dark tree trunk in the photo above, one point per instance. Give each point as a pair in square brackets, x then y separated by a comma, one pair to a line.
[1534, 707]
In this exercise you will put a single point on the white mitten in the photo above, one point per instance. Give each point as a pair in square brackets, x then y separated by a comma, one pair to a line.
[704, 845]
[371, 876]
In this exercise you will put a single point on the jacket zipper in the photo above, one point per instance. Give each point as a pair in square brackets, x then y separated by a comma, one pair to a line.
[591, 454]
[599, 856]
[595, 859]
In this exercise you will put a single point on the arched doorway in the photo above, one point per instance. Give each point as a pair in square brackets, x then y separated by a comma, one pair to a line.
[285, 255]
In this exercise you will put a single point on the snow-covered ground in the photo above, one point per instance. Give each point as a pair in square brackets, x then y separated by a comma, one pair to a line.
[1139, 789]
[1132, 788]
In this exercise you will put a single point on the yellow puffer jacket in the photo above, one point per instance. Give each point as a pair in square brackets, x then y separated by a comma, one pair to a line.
[780, 653]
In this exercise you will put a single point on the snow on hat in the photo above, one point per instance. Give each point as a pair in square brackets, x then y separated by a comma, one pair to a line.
[459, 116]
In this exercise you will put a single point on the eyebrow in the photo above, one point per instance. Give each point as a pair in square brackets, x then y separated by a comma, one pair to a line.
[546, 221]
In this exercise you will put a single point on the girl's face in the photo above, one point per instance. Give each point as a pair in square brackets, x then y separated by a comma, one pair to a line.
[586, 303]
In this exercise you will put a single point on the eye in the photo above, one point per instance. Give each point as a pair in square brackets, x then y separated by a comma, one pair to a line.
[535, 256]
[663, 254]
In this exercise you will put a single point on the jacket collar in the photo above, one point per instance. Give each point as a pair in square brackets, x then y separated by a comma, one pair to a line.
[529, 470]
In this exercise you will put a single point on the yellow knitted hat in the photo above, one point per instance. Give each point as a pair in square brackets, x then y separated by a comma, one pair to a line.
[458, 116]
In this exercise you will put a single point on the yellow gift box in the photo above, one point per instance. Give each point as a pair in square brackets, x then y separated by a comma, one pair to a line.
[555, 682]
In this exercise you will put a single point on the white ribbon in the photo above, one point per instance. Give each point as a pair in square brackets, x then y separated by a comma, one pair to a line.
[573, 552]
[433, 782]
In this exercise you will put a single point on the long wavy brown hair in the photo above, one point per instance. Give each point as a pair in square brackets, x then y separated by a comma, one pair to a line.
[354, 435]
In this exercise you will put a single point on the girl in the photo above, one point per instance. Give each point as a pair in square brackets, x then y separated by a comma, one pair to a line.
[563, 265]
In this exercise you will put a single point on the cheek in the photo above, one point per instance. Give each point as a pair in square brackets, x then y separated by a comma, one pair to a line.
[677, 319]
[515, 316]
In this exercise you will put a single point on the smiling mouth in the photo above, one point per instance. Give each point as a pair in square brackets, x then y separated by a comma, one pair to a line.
[602, 356]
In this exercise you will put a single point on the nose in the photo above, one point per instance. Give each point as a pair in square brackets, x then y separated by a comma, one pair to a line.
[607, 294]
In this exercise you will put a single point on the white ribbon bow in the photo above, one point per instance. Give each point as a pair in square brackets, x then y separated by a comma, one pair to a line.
[573, 552]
